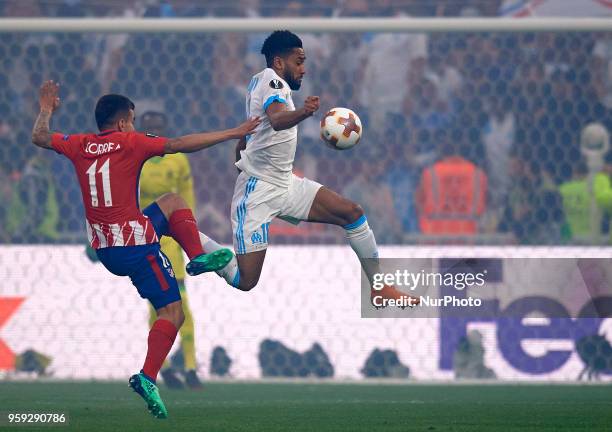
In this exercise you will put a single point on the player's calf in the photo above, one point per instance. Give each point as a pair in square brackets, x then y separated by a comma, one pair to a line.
[247, 285]
[249, 269]
[170, 202]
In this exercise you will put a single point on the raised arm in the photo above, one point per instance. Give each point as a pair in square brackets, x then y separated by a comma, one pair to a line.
[200, 141]
[49, 101]
[281, 118]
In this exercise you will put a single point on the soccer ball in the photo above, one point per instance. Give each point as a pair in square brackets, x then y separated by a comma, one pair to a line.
[341, 128]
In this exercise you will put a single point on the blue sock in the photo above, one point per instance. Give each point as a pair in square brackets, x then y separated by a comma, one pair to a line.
[236, 281]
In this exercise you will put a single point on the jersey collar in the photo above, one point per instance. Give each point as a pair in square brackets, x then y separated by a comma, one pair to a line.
[106, 132]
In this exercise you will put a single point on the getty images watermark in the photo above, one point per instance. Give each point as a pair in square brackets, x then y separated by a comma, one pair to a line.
[407, 282]
[485, 289]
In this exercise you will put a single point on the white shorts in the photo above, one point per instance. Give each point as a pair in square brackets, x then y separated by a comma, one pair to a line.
[256, 202]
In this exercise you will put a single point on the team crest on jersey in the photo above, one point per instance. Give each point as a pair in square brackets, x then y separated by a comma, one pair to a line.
[276, 84]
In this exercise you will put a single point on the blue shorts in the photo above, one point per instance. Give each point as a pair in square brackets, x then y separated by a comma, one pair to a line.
[147, 266]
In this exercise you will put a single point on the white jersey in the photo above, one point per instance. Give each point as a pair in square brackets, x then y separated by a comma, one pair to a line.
[269, 154]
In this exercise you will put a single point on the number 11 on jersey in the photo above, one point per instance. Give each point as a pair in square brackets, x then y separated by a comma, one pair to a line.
[106, 184]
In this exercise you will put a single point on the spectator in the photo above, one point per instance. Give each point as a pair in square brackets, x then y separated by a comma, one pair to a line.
[498, 138]
[404, 162]
[6, 191]
[533, 212]
[578, 205]
[468, 359]
[106, 51]
[372, 191]
[23, 9]
[602, 70]
[392, 59]
[190, 8]
[33, 214]
[602, 187]
[162, 9]
[451, 195]
[443, 65]
[423, 106]
[70, 9]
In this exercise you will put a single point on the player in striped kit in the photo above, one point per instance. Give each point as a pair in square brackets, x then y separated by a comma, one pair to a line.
[267, 188]
[126, 239]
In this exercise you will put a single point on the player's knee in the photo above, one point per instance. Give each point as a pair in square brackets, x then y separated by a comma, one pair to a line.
[170, 202]
[352, 213]
[173, 313]
[178, 318]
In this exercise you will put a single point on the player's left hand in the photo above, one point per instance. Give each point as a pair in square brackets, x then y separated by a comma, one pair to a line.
[248, 127]
[49, 96]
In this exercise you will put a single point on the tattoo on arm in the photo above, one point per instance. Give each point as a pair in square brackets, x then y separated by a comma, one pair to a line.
[41, 135]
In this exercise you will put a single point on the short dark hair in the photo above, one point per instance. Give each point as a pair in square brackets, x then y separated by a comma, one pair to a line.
[111, 106]
[280, 42]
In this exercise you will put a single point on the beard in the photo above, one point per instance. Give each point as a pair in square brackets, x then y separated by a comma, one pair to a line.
[293, 84]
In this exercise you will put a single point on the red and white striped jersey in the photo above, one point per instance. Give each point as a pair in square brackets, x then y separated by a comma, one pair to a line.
[108, 168]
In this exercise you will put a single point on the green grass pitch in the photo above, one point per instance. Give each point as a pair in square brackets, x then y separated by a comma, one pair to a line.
[318, 407]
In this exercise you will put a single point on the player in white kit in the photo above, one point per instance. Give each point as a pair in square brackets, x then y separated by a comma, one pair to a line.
[267, 188]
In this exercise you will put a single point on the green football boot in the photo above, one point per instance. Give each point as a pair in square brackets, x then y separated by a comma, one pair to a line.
[149, 392]
[209, 262]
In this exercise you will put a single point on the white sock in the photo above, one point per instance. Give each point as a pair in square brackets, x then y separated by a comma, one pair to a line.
[362, 241]
[230, 272]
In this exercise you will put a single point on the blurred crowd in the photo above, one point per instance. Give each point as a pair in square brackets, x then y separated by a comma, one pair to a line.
[310, 8]
[245, 8]
[503, 110]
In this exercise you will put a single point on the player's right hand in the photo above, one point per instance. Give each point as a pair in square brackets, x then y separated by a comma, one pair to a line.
[311, 104]
[49, 96]
[248, 127]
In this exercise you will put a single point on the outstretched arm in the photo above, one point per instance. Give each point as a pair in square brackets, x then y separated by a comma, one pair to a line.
[49, 101]
[281, 118]
[200, 141]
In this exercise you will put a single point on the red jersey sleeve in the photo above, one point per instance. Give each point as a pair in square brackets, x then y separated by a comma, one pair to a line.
[67, 145]
[148, 145]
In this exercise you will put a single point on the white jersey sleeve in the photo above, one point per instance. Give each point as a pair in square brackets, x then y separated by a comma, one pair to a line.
[269, 154]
